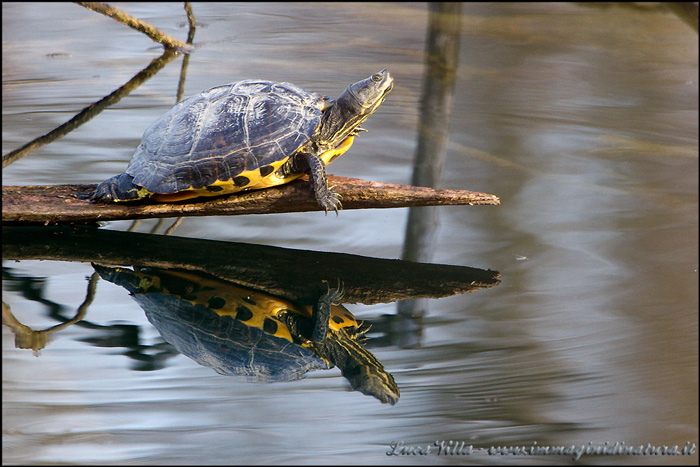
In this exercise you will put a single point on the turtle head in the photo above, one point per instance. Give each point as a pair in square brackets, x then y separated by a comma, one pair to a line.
[365, 96]
[358, 102]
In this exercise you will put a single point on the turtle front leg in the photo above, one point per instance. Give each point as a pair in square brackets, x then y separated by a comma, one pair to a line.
[322, 312]
[326, 197]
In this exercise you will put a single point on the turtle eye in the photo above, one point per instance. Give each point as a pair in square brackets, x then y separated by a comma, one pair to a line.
[376, 77]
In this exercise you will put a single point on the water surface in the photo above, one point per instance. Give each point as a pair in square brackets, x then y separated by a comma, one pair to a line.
[584, 121]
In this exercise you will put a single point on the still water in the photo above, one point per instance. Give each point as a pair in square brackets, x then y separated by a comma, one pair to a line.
[584, 121]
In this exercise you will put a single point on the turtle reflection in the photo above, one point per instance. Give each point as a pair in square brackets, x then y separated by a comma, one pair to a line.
[237, 330]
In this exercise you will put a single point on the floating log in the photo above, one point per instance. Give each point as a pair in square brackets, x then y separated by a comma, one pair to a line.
[60, 204]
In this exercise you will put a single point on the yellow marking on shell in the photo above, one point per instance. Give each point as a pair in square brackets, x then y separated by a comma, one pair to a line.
[262, 306]
[256, 180]
[234, 298]
[174, 197]
[226, 186]
[326, 157]
[340, 317]
[146, 282]
[265, 308]
[231, 298]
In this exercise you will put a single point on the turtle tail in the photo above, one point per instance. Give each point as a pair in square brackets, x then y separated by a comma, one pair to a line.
[118, 189]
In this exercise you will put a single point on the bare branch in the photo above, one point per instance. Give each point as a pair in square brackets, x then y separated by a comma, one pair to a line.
[135, 23]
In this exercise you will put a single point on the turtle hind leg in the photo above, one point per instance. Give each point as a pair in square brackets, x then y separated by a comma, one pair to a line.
[118, 189]
[326, 197]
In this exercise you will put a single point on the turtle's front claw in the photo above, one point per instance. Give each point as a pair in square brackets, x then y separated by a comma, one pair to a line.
[335, 295]
[331, 201]
[325, 196]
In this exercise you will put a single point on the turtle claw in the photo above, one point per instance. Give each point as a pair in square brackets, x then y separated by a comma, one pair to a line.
[325, 196]
[331, 201]
[335, 295]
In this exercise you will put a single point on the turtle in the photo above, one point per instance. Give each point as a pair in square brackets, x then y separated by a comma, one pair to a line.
[238, 330]
[246, 135]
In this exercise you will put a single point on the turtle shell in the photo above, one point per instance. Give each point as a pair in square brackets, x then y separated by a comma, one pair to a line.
[227, 138]
[232, 329]
[226, 344]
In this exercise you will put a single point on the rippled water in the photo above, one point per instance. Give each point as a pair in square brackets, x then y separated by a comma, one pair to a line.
[584, 121]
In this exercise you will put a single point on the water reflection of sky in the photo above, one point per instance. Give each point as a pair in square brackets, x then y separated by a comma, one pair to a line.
[583, 121]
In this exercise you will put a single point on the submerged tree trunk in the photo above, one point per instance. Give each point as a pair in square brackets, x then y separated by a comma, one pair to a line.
[442, 49]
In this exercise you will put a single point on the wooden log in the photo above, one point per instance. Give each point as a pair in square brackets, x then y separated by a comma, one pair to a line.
[59, 204]
[299, 275]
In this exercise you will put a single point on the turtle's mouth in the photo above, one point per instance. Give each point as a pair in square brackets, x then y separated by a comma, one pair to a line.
[384, 94]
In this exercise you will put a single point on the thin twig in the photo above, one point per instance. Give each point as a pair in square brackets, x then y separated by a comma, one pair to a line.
[88, 113]
[172, 228]
[154, 33]
[181, 83]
